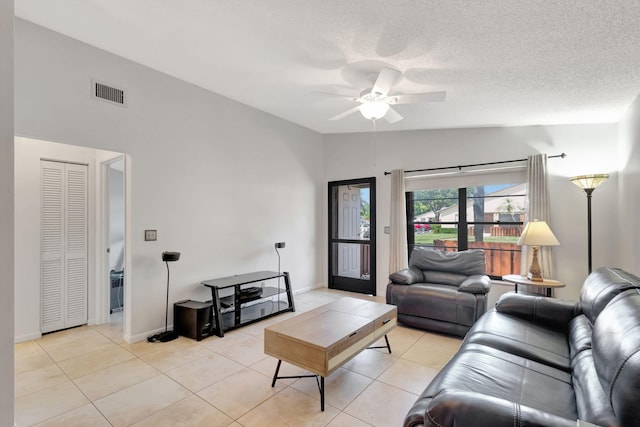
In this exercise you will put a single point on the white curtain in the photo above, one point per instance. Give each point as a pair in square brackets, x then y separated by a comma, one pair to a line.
[398, 238]
[538, 207]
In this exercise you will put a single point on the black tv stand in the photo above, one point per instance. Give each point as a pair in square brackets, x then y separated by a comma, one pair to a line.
[247, 305]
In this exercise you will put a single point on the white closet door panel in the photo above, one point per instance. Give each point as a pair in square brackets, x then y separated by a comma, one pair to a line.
[76, 210]
[51, 296]
[76, 298]
[52, 208]
[51, 246]
[76, 244]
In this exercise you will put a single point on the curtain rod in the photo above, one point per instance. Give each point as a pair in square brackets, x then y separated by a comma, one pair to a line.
[459, 167]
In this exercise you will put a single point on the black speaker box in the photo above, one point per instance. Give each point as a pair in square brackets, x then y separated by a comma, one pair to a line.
[192, 319]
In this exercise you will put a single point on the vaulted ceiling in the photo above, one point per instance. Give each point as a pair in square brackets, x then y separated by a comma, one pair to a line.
[501, 62]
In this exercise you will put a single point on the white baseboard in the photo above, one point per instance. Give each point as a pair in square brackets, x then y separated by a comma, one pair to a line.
[27, 337]
[143, 336]
[307, 289]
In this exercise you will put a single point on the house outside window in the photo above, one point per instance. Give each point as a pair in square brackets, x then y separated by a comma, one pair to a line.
[488, 217]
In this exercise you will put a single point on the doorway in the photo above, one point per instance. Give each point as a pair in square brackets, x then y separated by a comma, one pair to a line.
[116, 241]
[29, 155]
[352, 235]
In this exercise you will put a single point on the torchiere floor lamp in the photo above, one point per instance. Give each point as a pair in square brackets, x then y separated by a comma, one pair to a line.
[589, 183]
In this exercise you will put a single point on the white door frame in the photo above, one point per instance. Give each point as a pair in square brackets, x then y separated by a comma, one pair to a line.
[103, 283]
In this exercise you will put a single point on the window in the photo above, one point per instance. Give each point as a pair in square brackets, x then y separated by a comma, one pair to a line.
[488, 217]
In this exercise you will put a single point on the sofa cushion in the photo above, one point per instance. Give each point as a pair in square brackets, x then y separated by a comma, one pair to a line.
[476, 284]
[492, 372]
[464, 262]
[601, 287]
[443, 277]
[522, 338]
[551, 312]
[408, 276]
[440, 302]
[616, 355]
[579, 335]
[591, 401]
[466, 408]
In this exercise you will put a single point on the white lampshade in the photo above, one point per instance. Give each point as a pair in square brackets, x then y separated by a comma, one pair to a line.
[537, 233]
[374, 110]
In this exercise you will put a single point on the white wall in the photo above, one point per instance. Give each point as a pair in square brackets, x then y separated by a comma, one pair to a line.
[590, 149]
[220, 181]
[6, 213]
[629, 190]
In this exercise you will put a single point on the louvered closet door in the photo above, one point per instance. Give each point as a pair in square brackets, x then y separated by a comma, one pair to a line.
[63, 269]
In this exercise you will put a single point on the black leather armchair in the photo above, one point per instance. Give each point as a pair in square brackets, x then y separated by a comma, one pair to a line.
[441, 291]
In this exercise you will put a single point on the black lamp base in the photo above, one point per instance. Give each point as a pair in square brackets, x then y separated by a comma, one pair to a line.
[163, 336]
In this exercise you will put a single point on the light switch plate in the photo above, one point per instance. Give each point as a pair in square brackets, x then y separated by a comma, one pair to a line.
[387, 229]
[150, 235]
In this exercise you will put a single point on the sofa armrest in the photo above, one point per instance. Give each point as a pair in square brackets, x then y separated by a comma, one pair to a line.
[550, 311]
[451, 408]
[408, 276]
[476, 284]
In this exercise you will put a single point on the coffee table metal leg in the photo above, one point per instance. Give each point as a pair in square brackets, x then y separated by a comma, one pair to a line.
[275, 376]
[322, 393]
[388, 346]
[320, 383]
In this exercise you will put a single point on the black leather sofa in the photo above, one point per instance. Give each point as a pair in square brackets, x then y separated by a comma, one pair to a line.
[441, 291]
[538, 361]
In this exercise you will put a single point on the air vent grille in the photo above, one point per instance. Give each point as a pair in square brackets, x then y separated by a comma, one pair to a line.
[108, 93]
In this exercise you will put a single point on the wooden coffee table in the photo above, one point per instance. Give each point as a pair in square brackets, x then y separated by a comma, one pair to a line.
[324, 339]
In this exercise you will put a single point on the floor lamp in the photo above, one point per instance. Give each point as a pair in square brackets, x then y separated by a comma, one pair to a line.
[167, 335]
[589, 183]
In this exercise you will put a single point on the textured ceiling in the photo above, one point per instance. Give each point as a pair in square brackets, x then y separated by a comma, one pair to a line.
[502, 62]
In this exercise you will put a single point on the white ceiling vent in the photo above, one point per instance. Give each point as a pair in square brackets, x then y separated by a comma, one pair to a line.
[107, 92]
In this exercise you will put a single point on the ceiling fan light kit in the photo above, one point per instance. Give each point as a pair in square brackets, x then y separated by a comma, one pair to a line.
[374, 110]
[375, 103]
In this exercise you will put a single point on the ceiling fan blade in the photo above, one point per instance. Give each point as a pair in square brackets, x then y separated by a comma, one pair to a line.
[346, 113]
[392, 116]
[387, 78]
[337, 95]
[418, 98]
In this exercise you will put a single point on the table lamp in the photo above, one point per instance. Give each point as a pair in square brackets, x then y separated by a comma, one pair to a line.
[535, 234]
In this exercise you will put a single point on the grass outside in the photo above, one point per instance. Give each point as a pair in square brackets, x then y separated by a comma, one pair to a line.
[429, 238]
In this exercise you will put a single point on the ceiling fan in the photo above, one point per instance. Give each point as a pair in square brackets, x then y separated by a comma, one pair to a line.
[375, 103]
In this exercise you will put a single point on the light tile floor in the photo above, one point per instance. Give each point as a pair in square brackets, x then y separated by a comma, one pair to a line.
[89, 376]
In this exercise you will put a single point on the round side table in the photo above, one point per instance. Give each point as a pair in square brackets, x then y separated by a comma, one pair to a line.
[548, 284]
